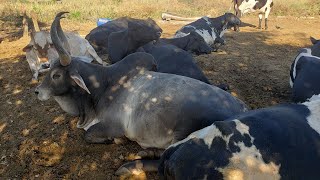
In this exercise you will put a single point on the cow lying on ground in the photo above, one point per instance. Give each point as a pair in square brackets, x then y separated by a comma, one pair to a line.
[304, 76]
[192, 42]
[242, 7]
[126, 99]
[123, 36]
[40, 51]
[278, 142]
[211, 29]
[173, 60]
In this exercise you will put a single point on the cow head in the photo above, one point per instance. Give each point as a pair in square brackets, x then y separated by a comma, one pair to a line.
[144, 31]
[315, 49]
[61, 76]
[232, 21]
[197, 44]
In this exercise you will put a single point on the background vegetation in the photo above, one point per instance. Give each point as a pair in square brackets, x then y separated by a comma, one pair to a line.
[88, 10]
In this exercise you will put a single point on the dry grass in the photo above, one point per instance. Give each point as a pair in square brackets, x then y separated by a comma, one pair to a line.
[89, 10]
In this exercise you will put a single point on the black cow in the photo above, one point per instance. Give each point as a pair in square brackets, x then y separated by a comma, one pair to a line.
[304, 76]
[211, 29]
[126, 99]
[173, 60]
[279, 142]
[123, 36]
[242, 7]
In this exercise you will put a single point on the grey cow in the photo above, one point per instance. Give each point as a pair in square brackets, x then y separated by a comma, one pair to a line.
[126, 99]
[40, 51]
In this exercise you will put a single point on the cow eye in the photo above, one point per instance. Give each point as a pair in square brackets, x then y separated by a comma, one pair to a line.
[56, 76]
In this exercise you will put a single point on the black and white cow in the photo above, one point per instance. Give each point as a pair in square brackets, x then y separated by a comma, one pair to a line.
[242, 7]
[192, 42]
[127, 99]
[123, 36]
[211, 29]
[304, 76]
[279, 142]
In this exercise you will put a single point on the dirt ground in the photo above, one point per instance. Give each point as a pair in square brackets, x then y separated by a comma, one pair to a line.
[39, 141]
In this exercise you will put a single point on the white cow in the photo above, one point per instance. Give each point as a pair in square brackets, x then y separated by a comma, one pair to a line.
[40, 51]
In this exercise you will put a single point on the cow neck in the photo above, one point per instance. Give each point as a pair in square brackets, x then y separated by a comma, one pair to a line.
[218, 22]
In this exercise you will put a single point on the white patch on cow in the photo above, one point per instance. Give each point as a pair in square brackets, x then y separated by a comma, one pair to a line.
[242, 128]
[180, 34]
[307, 54]
[207, 134]
[207, 20]
[246, 7]
[314, 118]
[87, 126]
[249, 164]
[206, 36]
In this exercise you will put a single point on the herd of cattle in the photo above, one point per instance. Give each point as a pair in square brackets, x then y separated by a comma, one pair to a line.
[156, 95]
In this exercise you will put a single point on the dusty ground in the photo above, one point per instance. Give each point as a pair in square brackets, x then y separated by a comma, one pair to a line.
[38, 140]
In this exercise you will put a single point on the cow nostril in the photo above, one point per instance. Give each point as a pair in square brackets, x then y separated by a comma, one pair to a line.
[36, 92]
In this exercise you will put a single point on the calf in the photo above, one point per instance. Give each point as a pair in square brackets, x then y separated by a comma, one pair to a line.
[123, 36]
[173, 60]
[211, 29]
[304, 76]
[193, 42]
[278, 142]
[242, 7]
[126, 99]
[40, 51]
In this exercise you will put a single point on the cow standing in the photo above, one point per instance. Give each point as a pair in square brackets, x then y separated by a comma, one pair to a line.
[211, 29]
[242, 7]
[126, 99]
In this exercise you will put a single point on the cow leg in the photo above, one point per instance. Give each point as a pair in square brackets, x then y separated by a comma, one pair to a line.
[260, 20]
[266, 17]
[149, 154]
[98, 134]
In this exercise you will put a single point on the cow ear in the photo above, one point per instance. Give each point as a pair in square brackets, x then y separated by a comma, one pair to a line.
[78, 79]
[27, 48]
[118, 45]
[313, 40]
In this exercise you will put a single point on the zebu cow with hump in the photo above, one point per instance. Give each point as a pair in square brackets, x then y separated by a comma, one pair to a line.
[242, 7]
[305, 73]
[126, 99]
[278, 142]
[211, 29]
[40, 52]
[123, 36]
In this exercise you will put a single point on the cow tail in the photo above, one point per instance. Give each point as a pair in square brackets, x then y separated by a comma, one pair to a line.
[138, 166]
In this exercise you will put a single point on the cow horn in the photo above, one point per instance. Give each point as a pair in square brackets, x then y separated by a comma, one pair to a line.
[61, 35]
[65, 58]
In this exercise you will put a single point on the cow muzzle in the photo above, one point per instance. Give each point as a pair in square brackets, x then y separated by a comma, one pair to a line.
[42, 94]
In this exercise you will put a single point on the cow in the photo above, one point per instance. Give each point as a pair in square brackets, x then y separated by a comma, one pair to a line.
[193, 43]
[277, 142]
[173, 60]
[315, 49]
[127, 99]
[123, 36]
[304, 75]
[211, 29]
[242, 7]
[40, 51]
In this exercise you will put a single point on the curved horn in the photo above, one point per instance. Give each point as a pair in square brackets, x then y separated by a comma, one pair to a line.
[65, 58]
[61, 35]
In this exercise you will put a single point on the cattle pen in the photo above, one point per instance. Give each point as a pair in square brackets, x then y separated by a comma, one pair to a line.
[39, 140]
